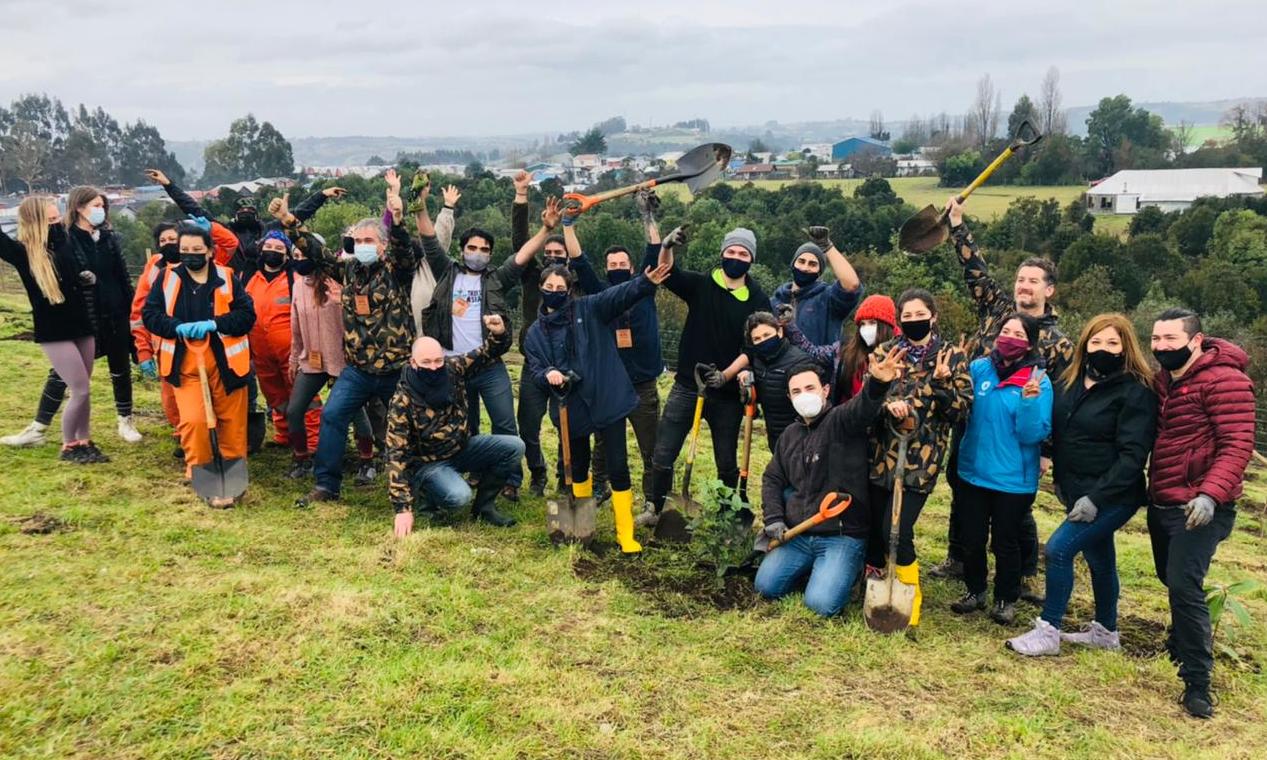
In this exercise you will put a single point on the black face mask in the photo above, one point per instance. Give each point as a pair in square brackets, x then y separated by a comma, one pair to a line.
[556, 261]
[305, 267]
[735, 268]
[802, 278]
[272, 259]
[56, 236]
[1172, 359]
[767, 348]
[916, 329]
[194, 262]
[1103, 364]
[430, 385]
[170, 253]
[619, 276]
[553, 299]
[246, 217]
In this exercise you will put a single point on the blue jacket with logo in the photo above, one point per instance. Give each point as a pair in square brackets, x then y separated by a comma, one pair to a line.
[1000, 447]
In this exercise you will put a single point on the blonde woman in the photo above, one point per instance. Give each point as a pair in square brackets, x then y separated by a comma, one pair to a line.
[56, 287]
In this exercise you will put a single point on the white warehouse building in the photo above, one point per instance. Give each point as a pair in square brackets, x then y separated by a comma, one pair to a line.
[1169, 189]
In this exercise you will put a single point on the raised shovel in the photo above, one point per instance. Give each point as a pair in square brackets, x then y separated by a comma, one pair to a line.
[698, 168]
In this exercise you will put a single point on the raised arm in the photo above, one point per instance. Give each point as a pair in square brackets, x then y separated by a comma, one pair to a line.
[313, 203]
[549, 220]
[445, 220]
[183, 201]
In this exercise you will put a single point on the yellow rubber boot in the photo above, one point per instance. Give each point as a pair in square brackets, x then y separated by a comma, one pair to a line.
[622, 508]
[909, 574]
[584, 523]
[583, 490]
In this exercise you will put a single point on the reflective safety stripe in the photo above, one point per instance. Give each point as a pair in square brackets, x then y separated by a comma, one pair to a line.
[232, 350]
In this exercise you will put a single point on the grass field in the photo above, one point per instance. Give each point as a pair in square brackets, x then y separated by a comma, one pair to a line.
[135, 623]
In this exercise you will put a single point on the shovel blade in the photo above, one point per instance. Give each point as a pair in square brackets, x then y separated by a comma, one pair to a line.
[923, 232]
[704, 165]
[224, 480]
[888, 605]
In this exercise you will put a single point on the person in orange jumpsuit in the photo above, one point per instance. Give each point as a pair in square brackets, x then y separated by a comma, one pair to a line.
[198, 309]
[270, 291]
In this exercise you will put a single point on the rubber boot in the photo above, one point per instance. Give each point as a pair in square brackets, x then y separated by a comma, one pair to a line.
[485, 506]
[909, 574]
[559, 521]
[622, 509]
[583, 512]
[256, 424]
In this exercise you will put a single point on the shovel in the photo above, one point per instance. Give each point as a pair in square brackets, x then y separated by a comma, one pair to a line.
[560, 517]
[832, 505]
[672, 525]
[219, 479]
[700, 167]
[928, 229]
[748, 393]
[889, 603]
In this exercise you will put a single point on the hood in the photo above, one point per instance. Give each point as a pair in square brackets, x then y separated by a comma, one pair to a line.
[1216, 352]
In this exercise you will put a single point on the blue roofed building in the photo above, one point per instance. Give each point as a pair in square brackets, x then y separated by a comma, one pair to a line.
[857, 146]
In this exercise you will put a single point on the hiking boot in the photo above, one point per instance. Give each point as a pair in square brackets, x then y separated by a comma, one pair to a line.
[31, 435]
[511, 494]
[366, 471]
[537, 487]
[648, 517]
[951, 568]
[221, 502]
[1029, 594]
[300, 469]
[485, 508]
[969, 603]
[321, 494]
[1197, 701]
[127, 430]
[1004, 613]
[76, 454]
[94, 454]
[602, 492]
[1042, 641]
[1094, 636]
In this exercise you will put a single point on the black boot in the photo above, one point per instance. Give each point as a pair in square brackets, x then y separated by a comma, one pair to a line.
[485, 506]
[256, 424]
[1197, 702]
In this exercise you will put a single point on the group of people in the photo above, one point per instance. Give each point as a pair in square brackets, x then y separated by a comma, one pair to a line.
[410, 340]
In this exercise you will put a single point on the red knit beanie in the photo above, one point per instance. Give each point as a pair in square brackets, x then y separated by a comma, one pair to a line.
[877, 307]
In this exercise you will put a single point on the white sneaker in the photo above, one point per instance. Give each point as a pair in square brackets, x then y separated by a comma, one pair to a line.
[1095, 636]
[33, 435]
[1043, 640]
[128, 431]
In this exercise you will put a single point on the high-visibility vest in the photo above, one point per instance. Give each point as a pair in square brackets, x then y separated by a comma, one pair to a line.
[237, 349]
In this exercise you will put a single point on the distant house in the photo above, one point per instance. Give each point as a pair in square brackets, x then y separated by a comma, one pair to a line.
[834, 171]
[754, 171]
[821, 151]
[856, 146]
[916, 167]
[253, 186]
[1169, 189]
[670, 158]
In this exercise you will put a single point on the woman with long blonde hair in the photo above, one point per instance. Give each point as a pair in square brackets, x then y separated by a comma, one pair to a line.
[1103, 425]
[56, 285]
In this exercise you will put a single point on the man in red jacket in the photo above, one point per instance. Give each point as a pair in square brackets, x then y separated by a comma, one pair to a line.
[1205, 437]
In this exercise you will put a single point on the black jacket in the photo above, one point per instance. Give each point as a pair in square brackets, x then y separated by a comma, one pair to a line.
[112, 295]
[68, 320]
[1102, 437]
[713, 330]
[771, 381]
[828, 454]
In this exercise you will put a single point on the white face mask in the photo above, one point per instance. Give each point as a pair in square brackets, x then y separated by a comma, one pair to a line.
[868, 333]
[366, 253]
[808, 405]
[96, 215]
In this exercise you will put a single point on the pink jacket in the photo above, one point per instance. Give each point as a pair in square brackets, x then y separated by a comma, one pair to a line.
[316, 328]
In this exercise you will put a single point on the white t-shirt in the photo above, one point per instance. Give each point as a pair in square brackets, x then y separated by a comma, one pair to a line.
[468, 332]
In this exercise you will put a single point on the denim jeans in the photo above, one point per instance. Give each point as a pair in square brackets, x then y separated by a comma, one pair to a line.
[1182, 558]
[493, 387]
[349, 394]
[723, 416]
[492, 458]
[533, 403]
[832, 561]
[998, 518]
[1095, 541]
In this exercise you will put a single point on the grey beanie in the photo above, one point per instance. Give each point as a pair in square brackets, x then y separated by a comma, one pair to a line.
[743, 237]
[814, 249]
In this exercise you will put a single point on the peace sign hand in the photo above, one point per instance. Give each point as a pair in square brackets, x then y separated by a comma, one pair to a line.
[941, 369]
[1034, 386]
[889, 368]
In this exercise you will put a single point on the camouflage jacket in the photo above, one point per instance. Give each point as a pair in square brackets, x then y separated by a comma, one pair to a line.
[418, 434]
[994, 304]
[379, 342]
[938, 405]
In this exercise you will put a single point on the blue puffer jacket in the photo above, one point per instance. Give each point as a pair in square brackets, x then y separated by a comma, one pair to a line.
[579, 337]
[1000, 447]
[820, 308]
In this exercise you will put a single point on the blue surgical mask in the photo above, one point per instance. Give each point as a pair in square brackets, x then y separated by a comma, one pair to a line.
[366, 253]
[96, 216]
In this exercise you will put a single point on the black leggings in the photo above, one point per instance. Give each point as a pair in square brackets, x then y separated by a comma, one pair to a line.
[113, 342]
[881, 518]
[998, 518]
[615, 454]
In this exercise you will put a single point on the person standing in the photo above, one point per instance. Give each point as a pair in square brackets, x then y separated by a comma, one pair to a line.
[1205, 437]
[820, 308]
[875, 322]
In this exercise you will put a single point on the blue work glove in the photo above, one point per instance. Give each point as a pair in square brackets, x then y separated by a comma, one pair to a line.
[1200, 511]
[185, 330]
[203, 329]
[201, 222]
[1084, 510]
[149, 367]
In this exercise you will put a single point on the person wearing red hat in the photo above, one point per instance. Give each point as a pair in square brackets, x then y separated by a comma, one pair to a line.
[876, 322]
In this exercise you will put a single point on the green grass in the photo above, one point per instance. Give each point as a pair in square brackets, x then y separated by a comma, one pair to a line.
[148, 626]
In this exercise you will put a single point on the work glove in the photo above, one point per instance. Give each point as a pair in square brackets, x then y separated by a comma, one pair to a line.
[1200, 511]
[648, 203]
[185, 330]
[676, 239]
[784, 312]
[201, 222]
[713, 378]
[775, 530]
[1084, 510]
[149, 367]
[821, 236]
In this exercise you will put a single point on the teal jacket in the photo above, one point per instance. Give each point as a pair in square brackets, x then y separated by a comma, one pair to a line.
[1000, 447]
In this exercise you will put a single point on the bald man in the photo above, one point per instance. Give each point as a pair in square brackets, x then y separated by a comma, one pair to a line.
[429, 445]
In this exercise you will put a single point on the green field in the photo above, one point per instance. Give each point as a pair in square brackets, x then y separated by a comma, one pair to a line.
[135, 623]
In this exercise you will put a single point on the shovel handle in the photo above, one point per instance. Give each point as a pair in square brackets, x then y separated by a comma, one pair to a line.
[1026, 134]
[199, 347]
[566, 443]
[832, 505]
[587, 202]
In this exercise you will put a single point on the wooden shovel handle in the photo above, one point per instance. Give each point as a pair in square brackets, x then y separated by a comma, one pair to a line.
[199, 347]
[1026, 134]
[831, 506]
[586, 202]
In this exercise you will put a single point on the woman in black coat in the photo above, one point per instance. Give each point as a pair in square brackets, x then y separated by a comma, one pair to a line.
[770, 357]
[1103, 425]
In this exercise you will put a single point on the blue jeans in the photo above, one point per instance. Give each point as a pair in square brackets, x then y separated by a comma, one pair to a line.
[493, 387]
[1095, 541]
[350, 392]
[832, 561]
[493, 458]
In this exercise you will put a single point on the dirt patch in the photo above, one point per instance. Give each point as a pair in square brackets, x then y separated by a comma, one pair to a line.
[672, 590]
[40, 524]
[1141, 637]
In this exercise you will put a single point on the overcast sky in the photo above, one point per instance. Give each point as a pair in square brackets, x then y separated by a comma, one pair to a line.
[488, 67]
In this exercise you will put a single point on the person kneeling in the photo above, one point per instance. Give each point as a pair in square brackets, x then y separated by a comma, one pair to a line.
[428, 443]
[825, 451]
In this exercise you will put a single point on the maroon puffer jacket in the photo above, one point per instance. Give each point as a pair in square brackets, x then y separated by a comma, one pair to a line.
[1205, 428]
